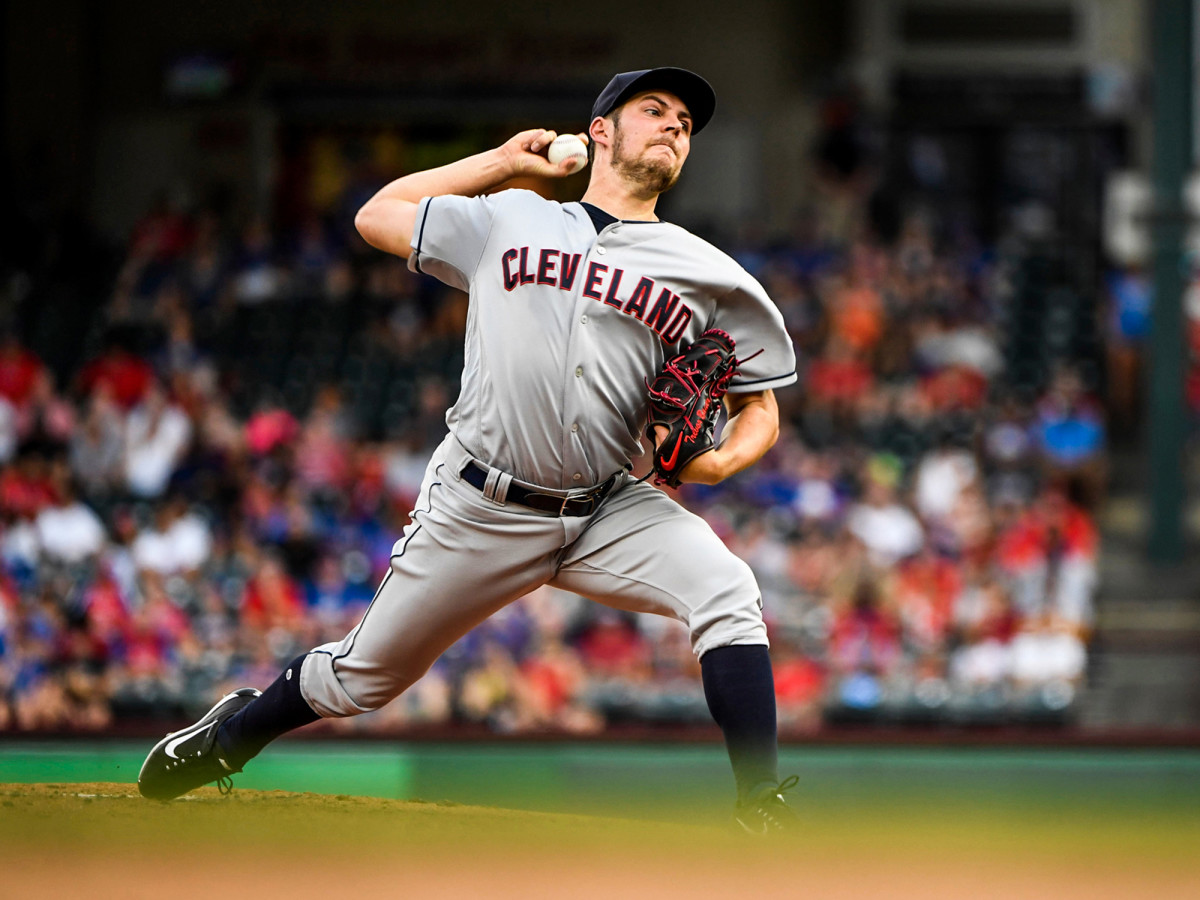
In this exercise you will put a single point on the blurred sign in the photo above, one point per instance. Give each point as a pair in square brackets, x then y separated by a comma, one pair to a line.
[1128, 199]
[1129, 215]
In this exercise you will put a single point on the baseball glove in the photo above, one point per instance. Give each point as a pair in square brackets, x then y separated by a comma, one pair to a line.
[685, 398]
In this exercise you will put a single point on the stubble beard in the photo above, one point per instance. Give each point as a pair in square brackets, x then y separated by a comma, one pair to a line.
[648, 176]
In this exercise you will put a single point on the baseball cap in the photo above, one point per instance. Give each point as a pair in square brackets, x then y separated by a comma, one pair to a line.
[689, 87]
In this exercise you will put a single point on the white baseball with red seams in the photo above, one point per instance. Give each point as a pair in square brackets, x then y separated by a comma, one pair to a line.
[568, 146]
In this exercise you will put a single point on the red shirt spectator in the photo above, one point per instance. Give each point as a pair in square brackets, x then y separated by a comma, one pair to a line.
[613, 647]
[549, 683]
[998, 621]
[864, 637]
[955, 387]
[838, 377]
[154, 633]
[10, 600]
[798, 682]
[162, 234]
[106, 613]
[272, 598]
[1052, 524]
[20, 371]
[126, 376]
[270, 428]
[26, 489]
[1071, 523]
[923, 591]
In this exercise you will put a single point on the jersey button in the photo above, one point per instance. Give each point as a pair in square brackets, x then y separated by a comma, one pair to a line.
[583, 319]
[577, 477]
[579, 371]
[574, 426]
[601, 250]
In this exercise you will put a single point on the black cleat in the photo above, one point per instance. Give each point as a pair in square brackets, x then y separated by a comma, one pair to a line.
[187, 759]
[766, 811]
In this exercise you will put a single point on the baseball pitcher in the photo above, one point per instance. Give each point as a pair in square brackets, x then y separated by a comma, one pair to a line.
[575, 309]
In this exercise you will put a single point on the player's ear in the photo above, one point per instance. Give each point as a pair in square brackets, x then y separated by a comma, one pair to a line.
[601, 132]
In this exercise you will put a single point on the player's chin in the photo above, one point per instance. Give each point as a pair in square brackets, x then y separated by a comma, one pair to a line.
[652, 176]
[668, 180]
[661, 176]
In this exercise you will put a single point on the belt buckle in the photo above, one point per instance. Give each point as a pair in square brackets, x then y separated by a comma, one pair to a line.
[592, 496]
[589, 498]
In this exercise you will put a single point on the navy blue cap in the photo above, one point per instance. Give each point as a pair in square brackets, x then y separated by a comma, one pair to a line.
[696, 93]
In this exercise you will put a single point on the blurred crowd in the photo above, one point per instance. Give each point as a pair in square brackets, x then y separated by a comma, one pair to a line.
[218, 484]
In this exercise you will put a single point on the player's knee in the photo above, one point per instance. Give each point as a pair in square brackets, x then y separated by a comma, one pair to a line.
[377, 690]
[731, 614]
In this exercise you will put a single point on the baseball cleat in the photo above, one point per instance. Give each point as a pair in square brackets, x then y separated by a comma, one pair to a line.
[766, 811]
[187, 759]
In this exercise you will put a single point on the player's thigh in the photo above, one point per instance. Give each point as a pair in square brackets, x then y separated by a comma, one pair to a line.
[458, 562]
[646, 553]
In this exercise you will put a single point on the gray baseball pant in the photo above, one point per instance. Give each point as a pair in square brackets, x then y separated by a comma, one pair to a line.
[464, 557]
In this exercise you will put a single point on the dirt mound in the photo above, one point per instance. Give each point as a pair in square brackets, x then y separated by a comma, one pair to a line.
[102, 840]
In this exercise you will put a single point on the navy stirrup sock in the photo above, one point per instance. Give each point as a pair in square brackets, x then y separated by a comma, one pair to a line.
[740, 691]
[280, 709]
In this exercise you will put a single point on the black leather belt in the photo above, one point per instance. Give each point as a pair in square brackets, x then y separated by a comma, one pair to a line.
[581, 504]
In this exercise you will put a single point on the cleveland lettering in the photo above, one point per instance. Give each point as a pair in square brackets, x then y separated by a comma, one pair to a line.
[659, 309]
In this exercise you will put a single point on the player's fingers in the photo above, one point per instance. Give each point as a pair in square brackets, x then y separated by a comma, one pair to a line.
[660, 434]
[543, 140]
[524, 141]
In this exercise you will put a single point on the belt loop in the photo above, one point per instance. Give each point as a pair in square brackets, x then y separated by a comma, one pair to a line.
[495, 486]
[501, 490]
[489, 485]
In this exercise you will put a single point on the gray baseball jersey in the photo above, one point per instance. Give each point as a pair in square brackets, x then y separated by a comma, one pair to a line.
[566, 324]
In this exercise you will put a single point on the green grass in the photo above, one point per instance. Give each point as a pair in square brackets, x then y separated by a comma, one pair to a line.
[673, 781]
[904, 823]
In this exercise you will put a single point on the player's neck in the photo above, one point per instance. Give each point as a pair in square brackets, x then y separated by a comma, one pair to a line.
[610, 195]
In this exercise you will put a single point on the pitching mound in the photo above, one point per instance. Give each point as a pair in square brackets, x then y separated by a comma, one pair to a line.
[103, 840]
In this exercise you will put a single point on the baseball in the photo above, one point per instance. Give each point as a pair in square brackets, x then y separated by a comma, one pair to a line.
[568, 146]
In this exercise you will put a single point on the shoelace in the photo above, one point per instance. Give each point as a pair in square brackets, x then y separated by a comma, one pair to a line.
[224, 783]
[774, 800]
[787, 784]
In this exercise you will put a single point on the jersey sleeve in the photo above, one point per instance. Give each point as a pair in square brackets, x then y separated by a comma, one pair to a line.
[756, 324]
[449, 236]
